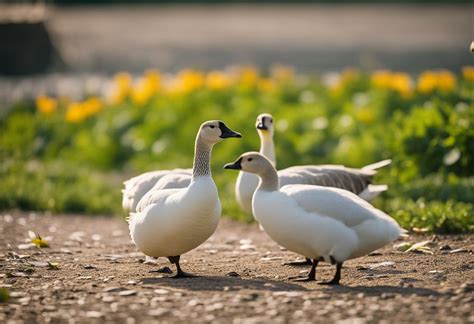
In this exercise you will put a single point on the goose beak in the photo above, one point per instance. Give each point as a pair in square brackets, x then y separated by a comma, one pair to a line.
[260, 125]
[226, 132]
[234, 166]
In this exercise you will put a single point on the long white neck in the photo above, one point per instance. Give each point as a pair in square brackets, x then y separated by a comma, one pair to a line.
[269, 179]
[202, 158]
[267, 148]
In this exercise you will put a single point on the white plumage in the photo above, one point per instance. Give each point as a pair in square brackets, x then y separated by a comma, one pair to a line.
[137, 187]
[317, 222]
[175, 221]
[357, 181]
[170, 222]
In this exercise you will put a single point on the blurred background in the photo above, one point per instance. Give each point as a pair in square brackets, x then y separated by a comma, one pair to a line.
[92, 92]
[106, 36]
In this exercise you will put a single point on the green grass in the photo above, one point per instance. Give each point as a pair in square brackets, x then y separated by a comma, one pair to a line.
[49, 163]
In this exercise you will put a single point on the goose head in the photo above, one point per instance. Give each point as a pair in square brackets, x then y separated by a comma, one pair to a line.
[252, 162]
[214, 131]
[264, 124]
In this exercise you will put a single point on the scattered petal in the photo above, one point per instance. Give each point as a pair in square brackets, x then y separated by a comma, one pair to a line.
[40, 264]
[127, 293]
[39, 242]
[94, 314]
[460, 250]
[53, 265]
[381, 264]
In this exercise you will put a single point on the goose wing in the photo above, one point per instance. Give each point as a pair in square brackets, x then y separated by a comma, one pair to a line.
[337, 176]
[154, 197]
[173, 180]
[333, 202]
[137, 187]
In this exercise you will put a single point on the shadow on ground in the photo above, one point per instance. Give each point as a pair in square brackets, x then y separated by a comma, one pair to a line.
[214, 283]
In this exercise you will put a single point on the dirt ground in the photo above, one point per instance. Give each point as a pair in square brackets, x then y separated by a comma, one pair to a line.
[101, 277]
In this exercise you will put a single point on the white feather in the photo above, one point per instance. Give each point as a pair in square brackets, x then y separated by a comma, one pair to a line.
[137, 187]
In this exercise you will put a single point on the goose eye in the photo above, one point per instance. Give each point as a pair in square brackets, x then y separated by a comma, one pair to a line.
[250, 159]
[271, 120]
[212, 126]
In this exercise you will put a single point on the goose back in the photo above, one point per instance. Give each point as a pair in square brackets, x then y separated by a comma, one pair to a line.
[337, 176]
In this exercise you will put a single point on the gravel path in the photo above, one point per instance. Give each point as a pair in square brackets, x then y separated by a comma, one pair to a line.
[101, 277]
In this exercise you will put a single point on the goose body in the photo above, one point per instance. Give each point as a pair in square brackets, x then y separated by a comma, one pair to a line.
[325, 222]
[173, 221]
[357, 181]
[321, 223]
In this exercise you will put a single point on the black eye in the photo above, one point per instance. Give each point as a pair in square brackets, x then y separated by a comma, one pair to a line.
[250, 159]
[212, 126]
[271, 120]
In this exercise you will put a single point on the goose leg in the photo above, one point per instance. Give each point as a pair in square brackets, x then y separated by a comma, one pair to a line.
[337, 276]
[179, 273]
[297, 263]
[312, 273]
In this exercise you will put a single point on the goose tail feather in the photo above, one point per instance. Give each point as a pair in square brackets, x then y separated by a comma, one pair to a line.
[403, 232]
[130, 216]
[377, 165]
[372, 191]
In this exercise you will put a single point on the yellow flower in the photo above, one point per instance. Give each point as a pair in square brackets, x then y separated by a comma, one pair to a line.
[395, 81]
[91, 106]
[217, 80]
[266, 85]
[446, 81]
[153, 80]
[248, 76]
[186, 81]
[442, 80]
[427, 82]
[146, 87]
[401, 82]
[468, 73]
[75, 113]
[381, 79]
[121, 89]
[78, 111]
[191, 80]
[46, 105]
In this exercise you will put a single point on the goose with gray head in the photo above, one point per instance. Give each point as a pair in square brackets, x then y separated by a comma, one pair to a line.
[321, 223]
[357, 181]
[170, 222]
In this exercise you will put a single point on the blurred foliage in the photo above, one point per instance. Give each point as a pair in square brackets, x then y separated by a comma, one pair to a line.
[71, 156]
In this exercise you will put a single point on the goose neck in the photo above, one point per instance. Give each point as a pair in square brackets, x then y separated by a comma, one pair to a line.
[269, 180]
[202, 158]
[267, 147]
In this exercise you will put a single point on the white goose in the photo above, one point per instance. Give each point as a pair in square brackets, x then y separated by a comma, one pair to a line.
[321, 223]
[170, 222]
[357, 181]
